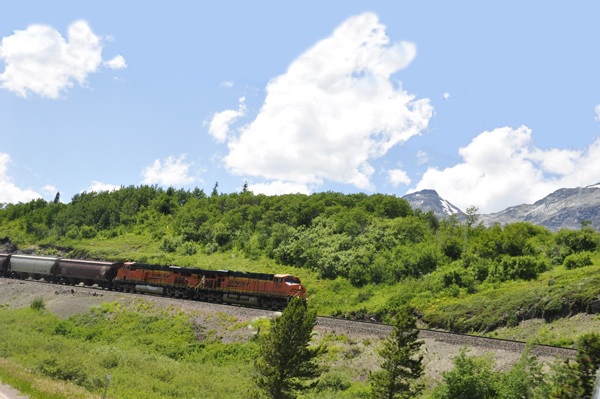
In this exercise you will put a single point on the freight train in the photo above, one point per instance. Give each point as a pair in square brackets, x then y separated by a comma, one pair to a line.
[272, 291]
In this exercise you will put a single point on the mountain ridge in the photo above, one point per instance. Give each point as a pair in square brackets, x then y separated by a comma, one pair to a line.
[564, 208]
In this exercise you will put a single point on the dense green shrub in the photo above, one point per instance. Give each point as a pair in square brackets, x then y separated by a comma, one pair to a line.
[577, 260]
[518, 267]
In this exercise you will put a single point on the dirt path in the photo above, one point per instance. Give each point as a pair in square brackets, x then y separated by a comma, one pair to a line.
[8, 392]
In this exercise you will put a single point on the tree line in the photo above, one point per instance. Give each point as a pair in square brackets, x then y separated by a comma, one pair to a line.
[364, 238]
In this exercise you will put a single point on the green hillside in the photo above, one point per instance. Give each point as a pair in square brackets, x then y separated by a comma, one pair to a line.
[359, 255]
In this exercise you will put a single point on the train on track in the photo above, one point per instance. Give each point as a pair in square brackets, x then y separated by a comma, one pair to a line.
[271, 291]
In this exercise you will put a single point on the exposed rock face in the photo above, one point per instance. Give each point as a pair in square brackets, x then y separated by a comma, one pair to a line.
[429, 200]
[564, 208]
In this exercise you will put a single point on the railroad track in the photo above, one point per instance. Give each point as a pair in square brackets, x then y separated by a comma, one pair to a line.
[350, 327]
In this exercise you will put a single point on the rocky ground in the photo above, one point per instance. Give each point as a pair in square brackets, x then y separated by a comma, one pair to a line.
[7, 392]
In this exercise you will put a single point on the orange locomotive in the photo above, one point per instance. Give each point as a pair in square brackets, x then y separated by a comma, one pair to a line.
[255, 289]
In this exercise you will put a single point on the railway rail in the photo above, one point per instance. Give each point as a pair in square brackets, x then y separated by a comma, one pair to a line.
[356, 327]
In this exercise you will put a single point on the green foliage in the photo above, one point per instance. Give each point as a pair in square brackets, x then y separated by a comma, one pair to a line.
[471, 378]
[577, 260]
[38, 303]
[517, 267]
[402, 363]
[150, 353]
[287, 363]
[581, 376]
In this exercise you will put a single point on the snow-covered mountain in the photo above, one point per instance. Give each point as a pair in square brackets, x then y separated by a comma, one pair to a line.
[429, 200]
[564, 208]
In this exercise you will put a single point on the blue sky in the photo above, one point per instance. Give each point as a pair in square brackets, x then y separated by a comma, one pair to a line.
[492, 105]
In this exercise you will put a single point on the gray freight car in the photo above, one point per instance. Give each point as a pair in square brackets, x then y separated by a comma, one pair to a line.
[37, 267]
[75, 271]
[4, 258]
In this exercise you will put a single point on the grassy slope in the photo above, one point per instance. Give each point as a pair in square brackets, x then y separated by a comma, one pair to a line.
[150, 353]
[554, 294]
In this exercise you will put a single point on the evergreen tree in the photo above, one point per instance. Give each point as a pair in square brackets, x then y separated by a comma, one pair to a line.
[583, 373]
[57, 198]
[287, 363]
[245, 188]
[402, 363]
[215, 191]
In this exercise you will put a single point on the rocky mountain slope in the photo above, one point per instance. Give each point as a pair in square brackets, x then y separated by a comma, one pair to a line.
[564, 208]
[429, 200]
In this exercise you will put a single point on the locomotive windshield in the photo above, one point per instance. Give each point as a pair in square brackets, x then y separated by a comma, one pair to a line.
[291, 280]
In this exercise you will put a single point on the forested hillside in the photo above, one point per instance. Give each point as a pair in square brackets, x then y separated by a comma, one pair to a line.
[365, 247]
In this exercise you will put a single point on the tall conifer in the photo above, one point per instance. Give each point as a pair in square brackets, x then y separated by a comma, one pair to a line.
[288, 364]
[402, 364]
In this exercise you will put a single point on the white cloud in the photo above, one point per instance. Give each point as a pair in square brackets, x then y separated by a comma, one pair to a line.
[397, 176]
[9, 193]
[49, 189]
[422, 158]
[227, 84]
[278, 188]
[99, 186]
[333, 111]
[504, 168]
[446, 95]
[219, 125]
[116, 63]
[597, 112]
[39, 60]
[174, 172]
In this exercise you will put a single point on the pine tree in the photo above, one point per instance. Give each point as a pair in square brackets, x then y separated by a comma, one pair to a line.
[402, 363]
[245, 188]
[57, 198]
[584, 371]
[288, 364]
[215, 191]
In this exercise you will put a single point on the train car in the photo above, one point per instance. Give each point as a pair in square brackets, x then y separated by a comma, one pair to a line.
[36, 267]
[254, 289]
[89, 272]
[4, 260]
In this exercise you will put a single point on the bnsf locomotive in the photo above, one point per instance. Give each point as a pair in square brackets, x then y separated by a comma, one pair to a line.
[272, 291]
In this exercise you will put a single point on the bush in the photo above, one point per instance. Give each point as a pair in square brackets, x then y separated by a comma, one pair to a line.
[188, 248]
[575, 261]
[517, 267]
[38, 304]
[334, 381]
[88, 232]
[170, 243]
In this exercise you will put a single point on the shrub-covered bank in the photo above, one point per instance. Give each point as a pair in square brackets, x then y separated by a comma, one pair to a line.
[359, 255]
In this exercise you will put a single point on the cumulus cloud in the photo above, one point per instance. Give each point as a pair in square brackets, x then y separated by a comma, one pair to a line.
[504, 168]
[49, 189]
[397, 176]
[171, 172]
[99, 186]
[219, 125]
[227, 84]
[116, 63]
[9, 192]
[278, 188]
[446, 95]
[333, 111]
[597, 112]
[39, 60]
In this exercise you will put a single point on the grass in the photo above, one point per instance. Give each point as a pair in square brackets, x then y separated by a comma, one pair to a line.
[150, 352]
